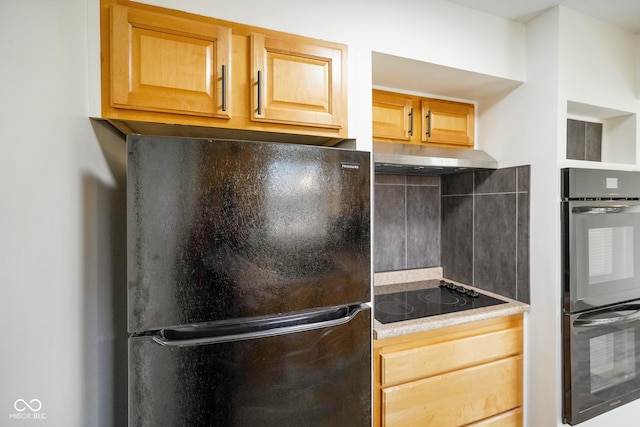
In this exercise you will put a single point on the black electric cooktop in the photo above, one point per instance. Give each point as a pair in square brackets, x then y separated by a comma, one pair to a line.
[446, 298]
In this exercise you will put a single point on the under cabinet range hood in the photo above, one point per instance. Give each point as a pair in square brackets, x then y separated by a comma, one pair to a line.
[413, 159]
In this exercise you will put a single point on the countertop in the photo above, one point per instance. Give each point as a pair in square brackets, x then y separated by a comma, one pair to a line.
[381, 331]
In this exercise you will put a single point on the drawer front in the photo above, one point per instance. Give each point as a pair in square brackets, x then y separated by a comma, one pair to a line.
[421, 362]
[455, 398]
[508, 419]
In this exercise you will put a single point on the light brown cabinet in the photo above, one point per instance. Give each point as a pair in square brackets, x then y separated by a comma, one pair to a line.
[466, 375]
[297, 82]
[167, 63]
[167, 66]
[410, 119]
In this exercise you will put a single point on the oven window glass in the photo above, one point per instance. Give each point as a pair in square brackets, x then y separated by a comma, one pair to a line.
[612, 359]
[610, 254]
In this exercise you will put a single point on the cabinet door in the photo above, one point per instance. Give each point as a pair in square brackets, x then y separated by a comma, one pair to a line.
[169, 64]
[296, 81]
[393, 116]
[447, 122]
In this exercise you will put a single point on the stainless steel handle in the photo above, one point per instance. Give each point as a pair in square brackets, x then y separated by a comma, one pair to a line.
[411, 122]
[590, 322]
[259, 92]
[429, 124]
[224, 87]
[593, 210]
[257, 334]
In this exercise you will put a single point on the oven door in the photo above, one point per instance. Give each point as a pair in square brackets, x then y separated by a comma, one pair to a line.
[602, 360]
[601, 253]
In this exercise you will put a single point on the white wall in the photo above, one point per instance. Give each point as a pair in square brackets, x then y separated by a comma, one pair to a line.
[48, 349]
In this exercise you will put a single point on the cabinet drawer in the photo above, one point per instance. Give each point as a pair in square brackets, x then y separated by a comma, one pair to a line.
[455, 398]
[421, 362]
[508, 419]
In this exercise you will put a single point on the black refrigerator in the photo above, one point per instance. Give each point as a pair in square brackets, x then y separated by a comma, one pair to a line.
[248, 270]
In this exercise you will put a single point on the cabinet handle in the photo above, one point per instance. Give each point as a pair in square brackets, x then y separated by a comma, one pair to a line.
[259, 92]
[429, 124]
[411, 122]
[224, 87]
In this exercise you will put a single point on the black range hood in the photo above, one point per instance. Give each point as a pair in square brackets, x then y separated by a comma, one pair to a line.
[414, 159]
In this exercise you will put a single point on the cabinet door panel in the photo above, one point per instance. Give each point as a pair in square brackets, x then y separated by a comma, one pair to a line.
[392, 116]
[296, 82]
[455, 398]
[169, 64]
[447, 122]
[408, 365]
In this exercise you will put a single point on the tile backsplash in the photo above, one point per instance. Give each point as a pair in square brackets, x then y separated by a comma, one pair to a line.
[584, 140]
[407, 222]
[474, 225]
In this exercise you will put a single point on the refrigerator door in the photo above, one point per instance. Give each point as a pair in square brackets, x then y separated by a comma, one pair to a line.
[223, 229]
[320, 376]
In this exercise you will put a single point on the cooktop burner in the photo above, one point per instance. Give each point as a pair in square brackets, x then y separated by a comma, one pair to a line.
[446, 298]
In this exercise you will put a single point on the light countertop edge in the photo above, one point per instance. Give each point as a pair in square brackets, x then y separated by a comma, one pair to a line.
[382, 331]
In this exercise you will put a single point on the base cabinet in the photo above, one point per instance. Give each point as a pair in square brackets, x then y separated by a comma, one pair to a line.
[414, 120]
[466, 375]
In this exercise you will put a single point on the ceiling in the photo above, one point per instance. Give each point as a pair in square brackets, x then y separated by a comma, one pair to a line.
[622, 13]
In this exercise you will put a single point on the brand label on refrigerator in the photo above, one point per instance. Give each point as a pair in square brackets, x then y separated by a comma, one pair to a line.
[352, 166]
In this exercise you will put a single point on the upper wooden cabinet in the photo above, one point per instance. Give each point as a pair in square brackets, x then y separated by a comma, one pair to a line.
[393, 116]
[447, 122]
[441, 122]
[297, 81]
[167, 66]
[167, 63]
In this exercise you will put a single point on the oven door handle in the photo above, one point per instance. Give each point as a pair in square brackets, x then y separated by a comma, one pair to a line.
[594, 210]
[586, 322]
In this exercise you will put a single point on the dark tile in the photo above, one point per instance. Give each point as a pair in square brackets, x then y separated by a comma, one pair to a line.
[423, 180]
[389, 179]
[456, 242]
[523, 290]
[593, 141]
[575, 139]
[495, 244]
[389, 228]
[457, 184]
[496, 181]
[423, 226]
[524, 178]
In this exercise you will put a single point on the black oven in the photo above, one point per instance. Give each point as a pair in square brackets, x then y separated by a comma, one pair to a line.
[603, 254]
[601, 290]
[602, 360]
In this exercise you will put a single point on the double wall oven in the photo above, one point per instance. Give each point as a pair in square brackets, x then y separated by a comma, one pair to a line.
[601, 297]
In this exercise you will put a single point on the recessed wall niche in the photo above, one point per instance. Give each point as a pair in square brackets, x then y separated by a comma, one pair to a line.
[609, 135]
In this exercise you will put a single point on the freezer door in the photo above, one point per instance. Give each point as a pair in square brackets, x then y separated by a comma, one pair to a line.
[231, 229]
[316, 377]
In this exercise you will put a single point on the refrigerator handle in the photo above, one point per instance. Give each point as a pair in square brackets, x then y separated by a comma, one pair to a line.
[259, 333]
